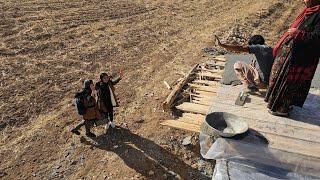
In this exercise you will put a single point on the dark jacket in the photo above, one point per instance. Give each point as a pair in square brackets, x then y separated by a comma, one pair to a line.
[305, 48]
[106, 96]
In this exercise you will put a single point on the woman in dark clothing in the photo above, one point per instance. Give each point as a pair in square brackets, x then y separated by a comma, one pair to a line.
[106, 96]
[296, 59]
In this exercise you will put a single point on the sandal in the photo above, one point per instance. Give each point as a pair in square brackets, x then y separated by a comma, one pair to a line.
[277, 113]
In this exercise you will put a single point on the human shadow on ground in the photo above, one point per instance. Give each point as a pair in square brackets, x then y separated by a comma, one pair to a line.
[309, 113]
[143, 155]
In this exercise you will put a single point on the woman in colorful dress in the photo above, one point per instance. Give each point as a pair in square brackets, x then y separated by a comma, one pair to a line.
[296, 58]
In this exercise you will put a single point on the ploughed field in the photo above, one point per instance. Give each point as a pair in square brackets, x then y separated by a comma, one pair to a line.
[47, 48]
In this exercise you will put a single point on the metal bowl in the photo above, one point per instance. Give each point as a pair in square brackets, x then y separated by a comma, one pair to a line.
[223, 124]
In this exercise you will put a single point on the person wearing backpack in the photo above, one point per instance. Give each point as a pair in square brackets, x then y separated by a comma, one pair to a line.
[106, 97]
[87, 107]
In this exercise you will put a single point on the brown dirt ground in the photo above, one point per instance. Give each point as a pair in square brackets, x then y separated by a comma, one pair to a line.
[47, 47]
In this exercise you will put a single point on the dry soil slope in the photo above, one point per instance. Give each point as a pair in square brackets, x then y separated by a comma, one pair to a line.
[48, 47]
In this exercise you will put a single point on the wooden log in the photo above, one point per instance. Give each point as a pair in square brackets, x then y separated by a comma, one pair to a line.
[168, 103]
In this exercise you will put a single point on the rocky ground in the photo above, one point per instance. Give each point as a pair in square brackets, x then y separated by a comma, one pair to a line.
[48, 47]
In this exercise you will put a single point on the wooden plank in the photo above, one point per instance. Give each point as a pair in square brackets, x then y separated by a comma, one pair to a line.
[190, 121]
[168, 103]
[205, 93]
[206, 103]
[210, 75]
[207, 82]
[220, 58]
[263, 116]
[208, 98]
[194, 108]
[203, 88]
[260, 114]
[263, 123]
[277, 142]
[181, 125]
[214, 71]
[249, 103]
[293, 145]
[199, 117]
[283, 133]
[219, 63]
[270, 156]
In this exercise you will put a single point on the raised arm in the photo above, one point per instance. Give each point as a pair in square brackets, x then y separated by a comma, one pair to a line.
[115, 80]
[233, 48]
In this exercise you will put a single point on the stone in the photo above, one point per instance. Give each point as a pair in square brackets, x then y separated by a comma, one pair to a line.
[172, 173]
[141, 120]
[74, 163]
[2, 174]
[194, 166]
[151, 173]
[67, 154]
[187, 141]
[55, 173]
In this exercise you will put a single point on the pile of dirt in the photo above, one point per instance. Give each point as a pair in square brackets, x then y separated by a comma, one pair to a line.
[47, 48]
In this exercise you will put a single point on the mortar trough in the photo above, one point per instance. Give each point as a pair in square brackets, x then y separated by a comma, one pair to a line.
[222, 124]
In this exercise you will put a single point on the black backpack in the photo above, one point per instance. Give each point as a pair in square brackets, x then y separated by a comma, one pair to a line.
[79, 99]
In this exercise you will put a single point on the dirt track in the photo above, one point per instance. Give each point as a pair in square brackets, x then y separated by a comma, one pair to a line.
[48, 47]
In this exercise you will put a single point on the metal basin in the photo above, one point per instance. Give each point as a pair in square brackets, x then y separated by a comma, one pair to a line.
[221, 124]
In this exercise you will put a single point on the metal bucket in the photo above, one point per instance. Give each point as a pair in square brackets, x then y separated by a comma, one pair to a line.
[221, 124]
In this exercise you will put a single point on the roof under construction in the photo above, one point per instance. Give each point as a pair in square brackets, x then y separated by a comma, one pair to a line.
[294, 142]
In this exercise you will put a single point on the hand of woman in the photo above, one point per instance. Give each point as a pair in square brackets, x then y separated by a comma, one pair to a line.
[121, 72]
[293, 32]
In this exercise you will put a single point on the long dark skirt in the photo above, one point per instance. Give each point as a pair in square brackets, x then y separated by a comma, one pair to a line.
[289, 84]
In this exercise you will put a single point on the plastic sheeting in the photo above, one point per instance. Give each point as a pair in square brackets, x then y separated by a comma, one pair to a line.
[252, 159]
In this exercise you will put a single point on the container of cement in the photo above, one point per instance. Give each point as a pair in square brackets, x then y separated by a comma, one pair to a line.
[221, 124]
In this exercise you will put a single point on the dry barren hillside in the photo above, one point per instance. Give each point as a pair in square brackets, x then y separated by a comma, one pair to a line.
[47, 48]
